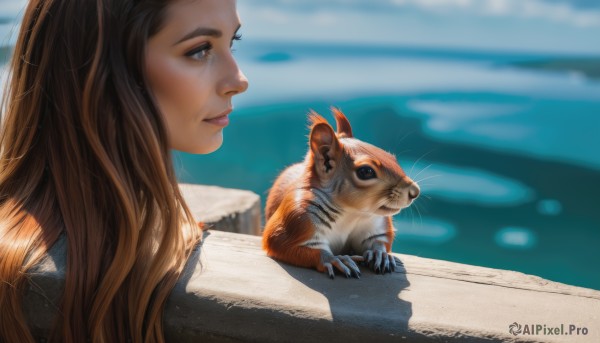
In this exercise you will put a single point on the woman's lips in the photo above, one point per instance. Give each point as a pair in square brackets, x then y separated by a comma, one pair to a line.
[222, 120]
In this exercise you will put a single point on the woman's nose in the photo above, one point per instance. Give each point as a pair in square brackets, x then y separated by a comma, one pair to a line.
[234, 82]
[238, 85]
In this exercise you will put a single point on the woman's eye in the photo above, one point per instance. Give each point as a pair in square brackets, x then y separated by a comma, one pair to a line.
[200, 52]
[365, 173]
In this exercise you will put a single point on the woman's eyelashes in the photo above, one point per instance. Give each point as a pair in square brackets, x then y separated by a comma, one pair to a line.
[236, 37]
[203, 51]
[200, 52]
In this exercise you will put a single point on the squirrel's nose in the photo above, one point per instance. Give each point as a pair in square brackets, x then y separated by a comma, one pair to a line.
[413, 191]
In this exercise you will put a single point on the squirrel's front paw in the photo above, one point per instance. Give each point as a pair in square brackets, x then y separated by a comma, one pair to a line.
[380, 261]
[344, 263]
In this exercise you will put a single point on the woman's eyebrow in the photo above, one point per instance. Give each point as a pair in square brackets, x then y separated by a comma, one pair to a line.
[203, 31]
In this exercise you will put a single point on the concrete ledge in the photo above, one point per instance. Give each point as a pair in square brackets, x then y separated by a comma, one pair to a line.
[224, 209]
[232, 292]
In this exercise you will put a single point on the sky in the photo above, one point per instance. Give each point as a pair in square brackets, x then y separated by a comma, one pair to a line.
[558, 26]
[569, 27]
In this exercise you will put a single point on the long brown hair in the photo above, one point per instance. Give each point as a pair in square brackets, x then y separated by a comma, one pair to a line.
[84, 153]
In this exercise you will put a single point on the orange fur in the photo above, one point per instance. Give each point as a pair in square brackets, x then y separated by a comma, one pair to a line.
[343, 125]
[332, 156]
[285, 231]
[391, 233]
[314, 118]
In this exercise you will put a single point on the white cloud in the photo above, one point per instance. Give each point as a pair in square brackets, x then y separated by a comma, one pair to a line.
[574, 13]
[324, 18]
[498, 7]
[554, 11]
[434, 4]
[272, 15]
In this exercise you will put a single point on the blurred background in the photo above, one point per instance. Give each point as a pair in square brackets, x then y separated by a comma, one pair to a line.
[493, 106]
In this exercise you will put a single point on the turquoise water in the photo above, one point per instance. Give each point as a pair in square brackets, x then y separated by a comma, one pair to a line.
[506, 158]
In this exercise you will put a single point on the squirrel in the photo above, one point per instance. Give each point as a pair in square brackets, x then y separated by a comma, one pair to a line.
[335, 208]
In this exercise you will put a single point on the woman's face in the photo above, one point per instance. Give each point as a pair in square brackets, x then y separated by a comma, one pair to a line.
[192, 73]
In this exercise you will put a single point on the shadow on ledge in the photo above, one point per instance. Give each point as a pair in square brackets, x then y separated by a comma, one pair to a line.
[362, 310]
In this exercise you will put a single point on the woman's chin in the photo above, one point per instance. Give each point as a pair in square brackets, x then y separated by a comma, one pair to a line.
[211, 149]
[203, 147]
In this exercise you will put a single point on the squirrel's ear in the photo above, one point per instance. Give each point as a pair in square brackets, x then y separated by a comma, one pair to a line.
[343, 125]
[325, 148]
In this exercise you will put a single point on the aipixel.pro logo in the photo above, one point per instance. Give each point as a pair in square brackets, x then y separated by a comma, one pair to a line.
[543, 329]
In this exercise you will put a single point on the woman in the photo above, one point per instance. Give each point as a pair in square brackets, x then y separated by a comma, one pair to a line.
[99, 93]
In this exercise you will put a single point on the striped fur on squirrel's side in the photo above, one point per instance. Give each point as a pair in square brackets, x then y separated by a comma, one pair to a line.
[335, 208]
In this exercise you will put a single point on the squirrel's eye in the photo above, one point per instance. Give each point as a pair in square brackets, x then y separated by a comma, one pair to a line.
[365, 173]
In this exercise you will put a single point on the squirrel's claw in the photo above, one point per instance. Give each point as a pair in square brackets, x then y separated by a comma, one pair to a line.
[368, 256]
[386, 264]
[378, 257]
[392, 263]
[329, 270]
[380, 261]
[349, 261]
[345, 264]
